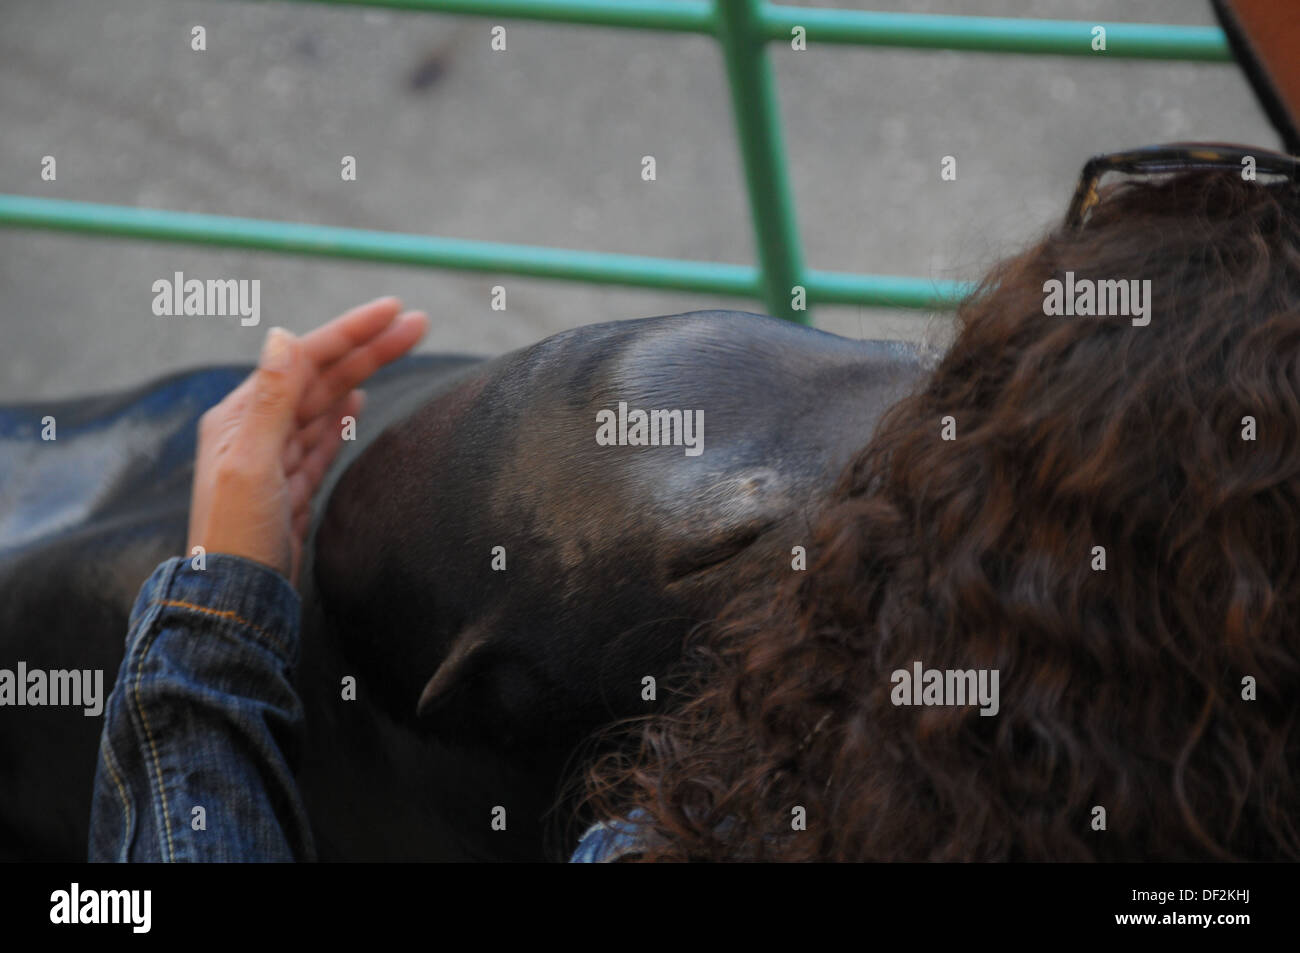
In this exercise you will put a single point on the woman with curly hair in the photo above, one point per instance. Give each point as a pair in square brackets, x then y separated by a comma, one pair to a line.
[1113, 528]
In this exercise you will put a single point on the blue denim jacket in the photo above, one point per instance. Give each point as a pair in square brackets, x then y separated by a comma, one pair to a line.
[203, 725]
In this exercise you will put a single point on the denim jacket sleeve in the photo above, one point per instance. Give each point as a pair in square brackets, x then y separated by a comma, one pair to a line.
[606, 842]
[203, 723]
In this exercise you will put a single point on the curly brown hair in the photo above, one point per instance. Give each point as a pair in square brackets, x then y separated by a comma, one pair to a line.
[1127, 688]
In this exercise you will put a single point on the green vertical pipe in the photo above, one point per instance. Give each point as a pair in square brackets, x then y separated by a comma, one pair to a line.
[758, 130]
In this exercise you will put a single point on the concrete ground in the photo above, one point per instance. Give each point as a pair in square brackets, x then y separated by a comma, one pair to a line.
[541, 144]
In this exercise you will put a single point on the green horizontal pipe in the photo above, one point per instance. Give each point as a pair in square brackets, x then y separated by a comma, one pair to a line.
[687, 16]
[997, 34]
[391, 247]
[862, 27]
[884, 291]
[743, 281]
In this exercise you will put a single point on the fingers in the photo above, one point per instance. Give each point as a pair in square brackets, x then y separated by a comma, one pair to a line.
[301, 524]
[293, 452]
[274, 396]
[308, 435]
[322, 438]
[318, 461]
[350, 330]
[287, 415]
[299, 491]
[355, 366]
[313, 449]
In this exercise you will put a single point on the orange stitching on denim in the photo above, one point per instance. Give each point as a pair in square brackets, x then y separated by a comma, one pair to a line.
[223, 614]
[121, 791]
[153, 748]
[178, 604]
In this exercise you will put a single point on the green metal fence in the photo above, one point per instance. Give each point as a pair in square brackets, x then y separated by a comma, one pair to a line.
[743, 28]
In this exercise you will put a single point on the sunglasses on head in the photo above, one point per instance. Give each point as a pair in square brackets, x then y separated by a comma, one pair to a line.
[1174, 157]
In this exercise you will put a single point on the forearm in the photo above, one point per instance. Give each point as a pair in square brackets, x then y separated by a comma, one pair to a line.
[195, 760]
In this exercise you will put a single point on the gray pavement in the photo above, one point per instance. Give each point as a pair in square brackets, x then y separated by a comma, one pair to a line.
[540, 144]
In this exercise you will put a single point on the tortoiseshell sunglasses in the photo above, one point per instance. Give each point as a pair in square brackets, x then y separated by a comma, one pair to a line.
[1173, 157]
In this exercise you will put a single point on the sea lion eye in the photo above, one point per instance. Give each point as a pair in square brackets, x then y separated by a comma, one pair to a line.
[715, 551]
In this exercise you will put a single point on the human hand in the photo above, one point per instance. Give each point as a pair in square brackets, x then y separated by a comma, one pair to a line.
[263, 451]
